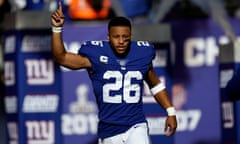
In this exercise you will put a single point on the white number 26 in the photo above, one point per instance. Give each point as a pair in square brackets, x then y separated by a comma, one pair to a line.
[122, 82]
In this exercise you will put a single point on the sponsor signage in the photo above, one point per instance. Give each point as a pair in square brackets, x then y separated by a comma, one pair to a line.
[33, 88]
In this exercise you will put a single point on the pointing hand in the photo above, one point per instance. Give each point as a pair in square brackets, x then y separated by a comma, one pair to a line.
[57, 18]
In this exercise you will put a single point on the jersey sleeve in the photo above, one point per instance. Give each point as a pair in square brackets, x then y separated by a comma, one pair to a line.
[85, 49]
[146, 50]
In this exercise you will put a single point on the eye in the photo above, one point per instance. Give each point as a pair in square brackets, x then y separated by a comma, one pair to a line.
[125, 36]
[115, 36]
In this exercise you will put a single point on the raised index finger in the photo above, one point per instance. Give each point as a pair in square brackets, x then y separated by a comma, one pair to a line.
[59, 10]
[60, 6]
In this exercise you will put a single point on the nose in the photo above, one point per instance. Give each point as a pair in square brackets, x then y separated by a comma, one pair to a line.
[121, 40]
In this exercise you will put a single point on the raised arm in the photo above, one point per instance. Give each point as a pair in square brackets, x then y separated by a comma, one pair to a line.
[69, 60]
[160, 94]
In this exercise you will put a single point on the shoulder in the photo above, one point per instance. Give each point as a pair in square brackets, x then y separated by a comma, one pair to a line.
[92, 47]
[94, 43]
[144, 47]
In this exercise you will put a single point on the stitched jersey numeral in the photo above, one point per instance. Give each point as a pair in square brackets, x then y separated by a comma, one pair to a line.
[130, 91]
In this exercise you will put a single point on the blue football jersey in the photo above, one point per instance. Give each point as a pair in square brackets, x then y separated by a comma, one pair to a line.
[118, 84]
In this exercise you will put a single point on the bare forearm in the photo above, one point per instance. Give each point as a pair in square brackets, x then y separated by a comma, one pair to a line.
[58, 49]
[57, 21]
[162, 98]
[60, 55]
[160, 93]
[64, 58]
[158, 89]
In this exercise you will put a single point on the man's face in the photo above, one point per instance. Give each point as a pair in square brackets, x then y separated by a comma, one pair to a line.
[120, 38]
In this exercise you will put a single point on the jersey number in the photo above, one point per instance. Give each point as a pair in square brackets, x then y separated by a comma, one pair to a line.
[122, 82]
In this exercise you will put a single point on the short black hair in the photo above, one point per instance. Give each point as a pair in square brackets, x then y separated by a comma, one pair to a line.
[119, 21]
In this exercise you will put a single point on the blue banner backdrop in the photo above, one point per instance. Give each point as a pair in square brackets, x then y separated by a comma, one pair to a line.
[193, 75]
[195, 78]
[33, 88]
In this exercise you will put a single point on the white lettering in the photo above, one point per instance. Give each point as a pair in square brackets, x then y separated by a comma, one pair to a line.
[79, 124]
[211, 50]
[143, 43]
[104, 59]
[228, 114]
[199, 52]
[39, 71]
[12, 131]
[40, 103]
[32, 43]
[188, 120]
[97, 43]
[225, 76]
[10, 44]
[11, 104]
[156, 125]
[9, 74]
[191, 46]
[40, 132]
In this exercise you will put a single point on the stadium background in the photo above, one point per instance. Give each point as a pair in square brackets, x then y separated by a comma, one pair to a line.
[50, 104]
